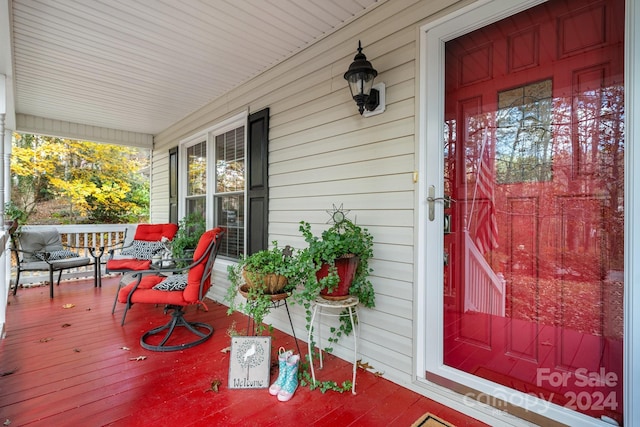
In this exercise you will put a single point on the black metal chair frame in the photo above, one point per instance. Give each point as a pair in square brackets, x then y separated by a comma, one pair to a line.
[251, 324]
[177, 320]
[48, 265]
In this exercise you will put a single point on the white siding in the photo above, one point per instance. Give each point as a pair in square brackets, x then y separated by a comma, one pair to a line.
[323, 153]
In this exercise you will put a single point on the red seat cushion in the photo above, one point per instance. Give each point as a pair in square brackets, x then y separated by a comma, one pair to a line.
[146, 294]
[127, 264]
[155, 232]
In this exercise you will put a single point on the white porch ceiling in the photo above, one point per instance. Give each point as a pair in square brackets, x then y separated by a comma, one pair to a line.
[141, 65]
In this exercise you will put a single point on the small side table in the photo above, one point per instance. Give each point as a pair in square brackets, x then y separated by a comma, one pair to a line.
[351, 305]
[163, 263]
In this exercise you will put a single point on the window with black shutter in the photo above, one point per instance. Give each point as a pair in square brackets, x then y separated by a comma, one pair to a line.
[220, 172]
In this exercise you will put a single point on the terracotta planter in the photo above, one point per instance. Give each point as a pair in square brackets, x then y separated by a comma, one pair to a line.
[272, 283]
[244, 291]
[346, 271]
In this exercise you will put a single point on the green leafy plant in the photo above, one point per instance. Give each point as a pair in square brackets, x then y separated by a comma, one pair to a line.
[261, 269]
[190, 229]
[278, 261]
[343, 238]
[305, 378]
[323, 386]
[13, 212]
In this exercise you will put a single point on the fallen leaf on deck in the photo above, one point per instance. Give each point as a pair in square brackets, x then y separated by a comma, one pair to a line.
[215, 384]
[68, 306]
[365, 365]
[139, 358]
[45, 339]
[66, 325]
[225, 350]
[368, 368]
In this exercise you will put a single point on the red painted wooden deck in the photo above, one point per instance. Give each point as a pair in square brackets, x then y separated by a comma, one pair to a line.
[67, 367]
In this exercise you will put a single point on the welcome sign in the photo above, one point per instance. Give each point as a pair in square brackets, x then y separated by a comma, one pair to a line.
[250, 362]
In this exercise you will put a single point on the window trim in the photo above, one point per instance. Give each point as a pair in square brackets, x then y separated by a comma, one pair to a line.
[208, 136]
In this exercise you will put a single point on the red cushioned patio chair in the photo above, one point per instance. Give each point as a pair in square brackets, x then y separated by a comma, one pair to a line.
[135, 254]
[176, 289]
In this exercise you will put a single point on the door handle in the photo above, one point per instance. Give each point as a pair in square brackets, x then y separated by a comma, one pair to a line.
[432, 199]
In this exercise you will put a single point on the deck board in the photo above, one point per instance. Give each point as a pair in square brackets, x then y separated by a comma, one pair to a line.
[68, 367]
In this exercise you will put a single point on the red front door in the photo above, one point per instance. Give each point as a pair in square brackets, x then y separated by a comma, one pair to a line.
[534, 164]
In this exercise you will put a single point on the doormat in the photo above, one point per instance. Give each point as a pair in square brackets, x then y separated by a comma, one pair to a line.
[429, 420]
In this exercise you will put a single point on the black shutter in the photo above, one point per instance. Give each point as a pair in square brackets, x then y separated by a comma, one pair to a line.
[258, 181]
[173, 185]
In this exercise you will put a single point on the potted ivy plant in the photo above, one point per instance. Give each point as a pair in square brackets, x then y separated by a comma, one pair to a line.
[343, 242]
[340, 255]
[263, 278]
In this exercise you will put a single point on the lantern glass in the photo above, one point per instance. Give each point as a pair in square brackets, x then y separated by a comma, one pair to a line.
[360, 84]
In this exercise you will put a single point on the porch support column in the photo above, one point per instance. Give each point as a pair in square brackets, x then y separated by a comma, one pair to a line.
[3, 112]
[4, 265]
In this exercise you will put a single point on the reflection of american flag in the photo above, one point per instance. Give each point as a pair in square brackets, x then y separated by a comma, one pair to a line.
[486, 223]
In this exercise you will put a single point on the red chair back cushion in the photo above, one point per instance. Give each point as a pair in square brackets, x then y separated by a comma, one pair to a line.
[155, 232]
[192, 291]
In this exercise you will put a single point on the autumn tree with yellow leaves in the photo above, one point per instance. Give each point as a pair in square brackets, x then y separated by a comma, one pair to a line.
[94, 183]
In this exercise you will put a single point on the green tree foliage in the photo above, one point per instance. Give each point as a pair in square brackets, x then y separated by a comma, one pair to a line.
[97, 183]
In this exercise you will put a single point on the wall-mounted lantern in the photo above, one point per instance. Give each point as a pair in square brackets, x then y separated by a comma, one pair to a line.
[360, 77]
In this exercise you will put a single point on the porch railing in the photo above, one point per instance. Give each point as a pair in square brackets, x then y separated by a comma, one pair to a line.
[484, 289]
[79, 235]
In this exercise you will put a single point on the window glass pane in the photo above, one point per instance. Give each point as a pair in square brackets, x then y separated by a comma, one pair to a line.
[523, 140]
[230, 215]
[230, 185]
[230, 164]
[196, 205]
[197, 169]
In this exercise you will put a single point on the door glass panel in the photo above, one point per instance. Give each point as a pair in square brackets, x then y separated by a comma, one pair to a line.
[523, 134]
[534, 159]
